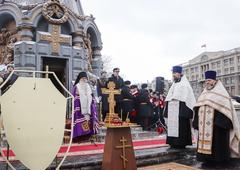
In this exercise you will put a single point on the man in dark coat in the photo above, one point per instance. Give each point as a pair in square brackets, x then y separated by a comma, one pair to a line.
[118, 80]
[102, 83]
[127, 103]
[217, 123]
[145, 107]
[179, 110]
[134, 115]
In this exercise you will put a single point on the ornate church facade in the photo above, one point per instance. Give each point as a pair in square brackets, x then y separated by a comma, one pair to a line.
[52, 35]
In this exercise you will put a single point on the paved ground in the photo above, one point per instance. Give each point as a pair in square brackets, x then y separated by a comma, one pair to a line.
[146, 157]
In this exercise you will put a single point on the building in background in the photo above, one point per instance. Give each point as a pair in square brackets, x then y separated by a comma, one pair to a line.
[33, 36]
[225, 63]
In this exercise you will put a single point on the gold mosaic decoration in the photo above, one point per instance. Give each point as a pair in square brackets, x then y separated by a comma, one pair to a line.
[55, 12]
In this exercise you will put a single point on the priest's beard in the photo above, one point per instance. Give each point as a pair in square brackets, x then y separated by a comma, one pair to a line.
[85, 94]
[210, 86]
[176, 79]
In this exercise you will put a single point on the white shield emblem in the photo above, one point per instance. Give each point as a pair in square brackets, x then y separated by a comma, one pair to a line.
[34, 113]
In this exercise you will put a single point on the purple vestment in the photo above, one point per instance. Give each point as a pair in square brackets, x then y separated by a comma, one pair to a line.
[81, 126]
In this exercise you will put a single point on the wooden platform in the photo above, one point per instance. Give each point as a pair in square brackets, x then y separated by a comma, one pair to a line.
[168, 166]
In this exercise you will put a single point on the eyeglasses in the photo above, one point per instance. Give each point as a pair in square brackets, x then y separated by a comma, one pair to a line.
[117, 71]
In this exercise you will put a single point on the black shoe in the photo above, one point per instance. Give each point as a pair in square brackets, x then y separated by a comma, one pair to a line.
[178, 146]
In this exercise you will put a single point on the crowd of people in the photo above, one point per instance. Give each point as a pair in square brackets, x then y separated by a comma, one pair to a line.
[139, 105]
[212, 114]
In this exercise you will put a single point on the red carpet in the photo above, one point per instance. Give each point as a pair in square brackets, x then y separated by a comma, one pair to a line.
[87, 148]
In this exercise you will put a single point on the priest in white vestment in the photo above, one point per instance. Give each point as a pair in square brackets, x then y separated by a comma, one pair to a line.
[179, 110]
[217, 123]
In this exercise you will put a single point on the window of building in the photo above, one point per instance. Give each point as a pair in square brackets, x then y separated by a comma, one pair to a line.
[186, 71]
[225, 62]
[218, 64]
[219, 72]
[196, 69]
[192, 70]
[238, 59]
[227, 81]
[233, 90]
[214, 65]
[231, 60]
[231, 69]
[204, 58]
[227, 88]
[226, 71]
[232, 80]
[197, 77]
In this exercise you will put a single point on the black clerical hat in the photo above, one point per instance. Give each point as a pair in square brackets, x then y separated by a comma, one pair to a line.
[133, 86]
[82, 74]
[210, 74]
[177, 69]
[127, 82]
[144, 85]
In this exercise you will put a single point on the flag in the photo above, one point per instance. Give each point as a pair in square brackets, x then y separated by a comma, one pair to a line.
[204, 45]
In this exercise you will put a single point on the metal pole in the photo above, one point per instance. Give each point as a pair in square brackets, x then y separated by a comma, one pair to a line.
[7, 156]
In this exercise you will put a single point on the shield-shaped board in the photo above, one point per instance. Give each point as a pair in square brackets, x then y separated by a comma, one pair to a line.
[34, 113]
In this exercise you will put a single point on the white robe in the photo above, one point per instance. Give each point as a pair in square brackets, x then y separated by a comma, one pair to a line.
[85, 94]
[219, 99]
[181, 91]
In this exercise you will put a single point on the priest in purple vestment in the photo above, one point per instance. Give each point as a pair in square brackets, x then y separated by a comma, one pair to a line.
[85, 111]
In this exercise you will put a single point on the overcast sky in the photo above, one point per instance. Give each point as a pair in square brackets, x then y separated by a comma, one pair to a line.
[145, 38]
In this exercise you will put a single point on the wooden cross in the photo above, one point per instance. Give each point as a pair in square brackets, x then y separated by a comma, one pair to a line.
[55, 38]
[123, 147]
[111, 92]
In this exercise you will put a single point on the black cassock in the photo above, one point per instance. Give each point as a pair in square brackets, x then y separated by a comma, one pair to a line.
[127, 103]
[145, 109]
[220, 141]
[185, 137]
[103, 84]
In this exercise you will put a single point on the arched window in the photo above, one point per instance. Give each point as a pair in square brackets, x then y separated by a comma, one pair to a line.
[42, 25]
[204, 58]
[66, 29]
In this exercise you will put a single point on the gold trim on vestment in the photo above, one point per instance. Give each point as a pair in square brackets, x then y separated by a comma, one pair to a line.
[206, 117]
[209, 92]
[218, 105]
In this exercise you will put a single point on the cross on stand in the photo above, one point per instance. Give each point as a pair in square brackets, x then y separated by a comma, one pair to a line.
[114, 158]
[55, 38]
[123, 147]
[111, 91]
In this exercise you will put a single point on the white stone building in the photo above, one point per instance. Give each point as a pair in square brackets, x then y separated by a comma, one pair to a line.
[225, 63]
